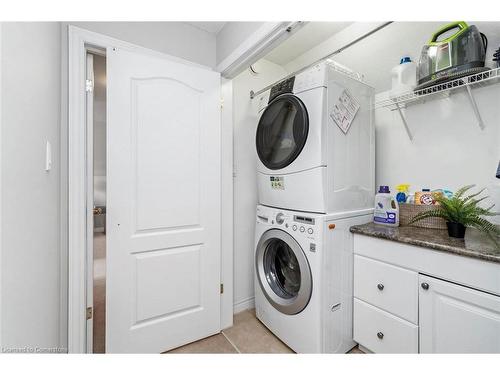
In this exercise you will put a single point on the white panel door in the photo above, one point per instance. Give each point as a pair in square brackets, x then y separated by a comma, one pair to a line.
[456, 319]
[163, 205]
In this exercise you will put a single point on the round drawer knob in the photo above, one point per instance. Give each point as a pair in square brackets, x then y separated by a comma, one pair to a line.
[425, 286]
[380, 335]
[380, 286]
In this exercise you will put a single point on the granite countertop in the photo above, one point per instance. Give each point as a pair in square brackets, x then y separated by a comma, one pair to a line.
[475, 244]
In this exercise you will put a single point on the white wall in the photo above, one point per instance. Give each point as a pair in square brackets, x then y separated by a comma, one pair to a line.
[30, 94]
[174, 38]
[245, 117]
[448, 150]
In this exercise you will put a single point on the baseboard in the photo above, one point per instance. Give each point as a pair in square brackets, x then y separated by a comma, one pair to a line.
[246, 304]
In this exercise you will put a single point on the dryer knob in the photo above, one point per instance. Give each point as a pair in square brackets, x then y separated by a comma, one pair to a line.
[280, 218]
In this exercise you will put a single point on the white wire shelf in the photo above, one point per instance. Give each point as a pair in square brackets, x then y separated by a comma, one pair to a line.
[442, 89]
[445, 89]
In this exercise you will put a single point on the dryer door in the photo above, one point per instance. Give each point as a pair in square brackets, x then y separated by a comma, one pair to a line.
[282, 131]
[283, 272]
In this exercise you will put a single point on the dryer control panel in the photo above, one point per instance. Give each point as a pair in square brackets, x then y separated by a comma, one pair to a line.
[283, 87]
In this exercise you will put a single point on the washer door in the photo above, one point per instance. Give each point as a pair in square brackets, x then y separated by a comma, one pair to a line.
[283, 272]
[282, 131]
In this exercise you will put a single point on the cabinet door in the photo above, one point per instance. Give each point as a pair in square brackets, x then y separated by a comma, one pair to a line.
[457, 319]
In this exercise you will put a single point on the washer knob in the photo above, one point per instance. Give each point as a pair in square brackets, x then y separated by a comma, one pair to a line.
[302, 229]
[294, 227]
[310, 231]
[280, 218]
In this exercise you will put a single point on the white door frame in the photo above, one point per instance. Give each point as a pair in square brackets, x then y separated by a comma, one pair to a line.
[78, 40]
[89, 190]
[1, 127]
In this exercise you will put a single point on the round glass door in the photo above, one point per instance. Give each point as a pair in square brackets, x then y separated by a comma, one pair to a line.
[282, 131]
[283, 272]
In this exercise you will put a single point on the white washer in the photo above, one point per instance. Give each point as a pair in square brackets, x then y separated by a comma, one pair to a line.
[303, 277]
[305, 161]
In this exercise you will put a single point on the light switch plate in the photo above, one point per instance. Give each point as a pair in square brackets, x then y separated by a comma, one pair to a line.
[48, 157]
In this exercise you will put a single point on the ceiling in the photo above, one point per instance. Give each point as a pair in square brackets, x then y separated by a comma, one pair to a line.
[307, 37]
[210, 27]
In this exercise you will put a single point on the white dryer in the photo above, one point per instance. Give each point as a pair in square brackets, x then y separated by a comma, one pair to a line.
[303, 277]
[306, 162]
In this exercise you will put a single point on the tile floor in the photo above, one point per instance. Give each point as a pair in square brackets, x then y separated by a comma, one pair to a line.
[247, 335]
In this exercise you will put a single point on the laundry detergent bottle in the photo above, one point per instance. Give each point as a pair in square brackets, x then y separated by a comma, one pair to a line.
[386, 208]
[403, 76]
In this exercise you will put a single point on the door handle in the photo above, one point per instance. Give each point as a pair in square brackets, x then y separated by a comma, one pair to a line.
[425, 286]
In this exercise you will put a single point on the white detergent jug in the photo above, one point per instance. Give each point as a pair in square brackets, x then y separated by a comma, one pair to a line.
[404, 77]
[386, 208]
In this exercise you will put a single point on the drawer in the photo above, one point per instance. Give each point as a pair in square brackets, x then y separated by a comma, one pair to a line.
[388, 287]
[382, 332]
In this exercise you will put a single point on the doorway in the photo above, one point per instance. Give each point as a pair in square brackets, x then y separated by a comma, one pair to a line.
[163, 210]
[96, 110]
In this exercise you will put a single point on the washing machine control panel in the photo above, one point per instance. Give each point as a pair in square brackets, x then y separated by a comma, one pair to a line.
[307, 224]
[298, 225]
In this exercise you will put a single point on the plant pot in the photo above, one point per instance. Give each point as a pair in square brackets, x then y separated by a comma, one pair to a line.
[456, 230]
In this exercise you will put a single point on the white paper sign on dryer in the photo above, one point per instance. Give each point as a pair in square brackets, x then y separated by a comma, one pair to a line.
[344, 111]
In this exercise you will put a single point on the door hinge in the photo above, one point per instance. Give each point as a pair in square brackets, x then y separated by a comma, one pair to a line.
[221, 288]
[89, 85]
[90, 312]
[221, 103]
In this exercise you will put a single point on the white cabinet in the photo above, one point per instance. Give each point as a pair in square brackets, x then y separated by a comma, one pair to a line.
[409, 299]
[457, 319]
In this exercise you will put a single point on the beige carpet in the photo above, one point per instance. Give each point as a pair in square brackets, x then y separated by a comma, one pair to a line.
[99, 329]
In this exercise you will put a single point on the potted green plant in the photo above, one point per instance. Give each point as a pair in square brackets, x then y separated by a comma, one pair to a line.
[462, 211]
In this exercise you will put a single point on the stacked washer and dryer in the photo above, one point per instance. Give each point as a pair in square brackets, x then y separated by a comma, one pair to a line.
[316, 177]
